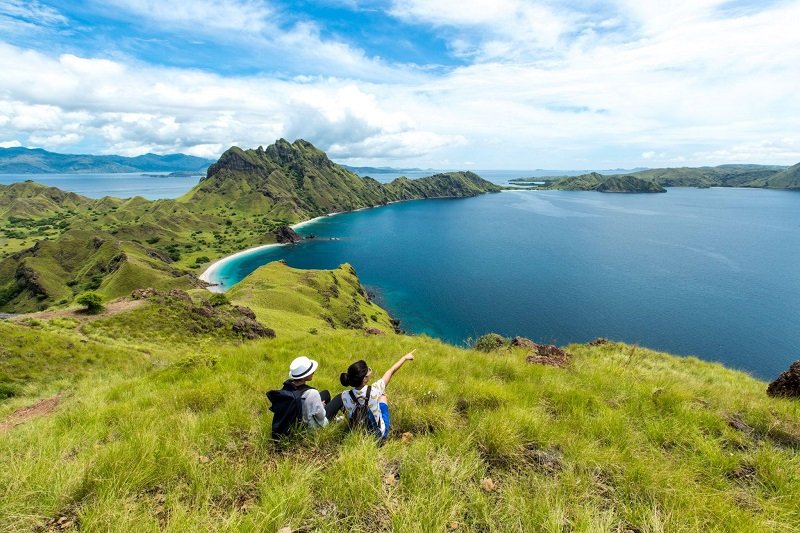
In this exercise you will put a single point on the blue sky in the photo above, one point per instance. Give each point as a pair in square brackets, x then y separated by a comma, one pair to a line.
[436, 83]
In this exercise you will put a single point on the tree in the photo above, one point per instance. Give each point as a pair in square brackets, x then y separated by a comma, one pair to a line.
[91, 302]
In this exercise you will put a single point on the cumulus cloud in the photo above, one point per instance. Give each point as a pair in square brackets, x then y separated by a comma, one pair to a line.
[628, 83]
[10, 144]
[131, 110]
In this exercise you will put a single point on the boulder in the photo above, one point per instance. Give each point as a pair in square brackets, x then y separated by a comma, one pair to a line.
[144, 294]
[600, 341]
[250, 329]
[285, 234]
[788, 383]
[179, 295]
[375, 331]
[522, 342]
[547, 354]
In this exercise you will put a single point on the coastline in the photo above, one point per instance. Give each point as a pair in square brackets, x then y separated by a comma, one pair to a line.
[209, 274]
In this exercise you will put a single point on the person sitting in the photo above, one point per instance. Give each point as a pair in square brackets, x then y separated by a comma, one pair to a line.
[298, 403]
[367, 404]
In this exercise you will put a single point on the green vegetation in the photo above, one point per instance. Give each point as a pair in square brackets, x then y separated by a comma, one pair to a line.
[49, 249]
[154, 416]
[91, 301]
[653, 180]
[166, 427]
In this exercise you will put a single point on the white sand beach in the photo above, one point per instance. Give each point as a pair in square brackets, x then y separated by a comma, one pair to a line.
[210, 274]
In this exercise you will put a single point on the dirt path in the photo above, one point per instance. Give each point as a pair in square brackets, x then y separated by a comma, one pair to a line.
[111, 308]
[23, 414]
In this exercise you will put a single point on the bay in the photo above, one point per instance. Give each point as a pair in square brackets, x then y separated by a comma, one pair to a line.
[710, 272]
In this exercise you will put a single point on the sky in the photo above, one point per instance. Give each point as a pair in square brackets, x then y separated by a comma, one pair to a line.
[458, 84]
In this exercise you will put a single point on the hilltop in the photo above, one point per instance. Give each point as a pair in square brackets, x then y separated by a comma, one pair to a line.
[154, 418]
[48, 251]
[38, 161]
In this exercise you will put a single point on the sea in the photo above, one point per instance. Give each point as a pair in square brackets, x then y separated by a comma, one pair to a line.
[150, 185]
[705, 272]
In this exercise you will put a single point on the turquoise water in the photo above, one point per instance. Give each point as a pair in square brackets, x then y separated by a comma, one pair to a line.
[117, 185]
[711, 272]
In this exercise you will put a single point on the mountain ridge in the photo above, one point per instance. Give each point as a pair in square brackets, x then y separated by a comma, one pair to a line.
[21, 160]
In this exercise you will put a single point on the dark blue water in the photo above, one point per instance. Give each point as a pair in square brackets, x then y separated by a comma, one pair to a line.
[711, 272]
[117, 185]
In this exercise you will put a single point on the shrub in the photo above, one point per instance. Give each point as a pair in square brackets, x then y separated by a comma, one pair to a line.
[490, 342]
[91, 302]
[202, 259]
[218, 299]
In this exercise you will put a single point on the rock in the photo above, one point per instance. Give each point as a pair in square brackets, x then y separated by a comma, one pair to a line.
[599, 341]
[250, 329]
[144, 294]
[311, 236]
[787, 385]
[203, 311]
[736, 422]
[179, 295]
[285, 530]
[406, 437]
[245, 311]
[547, 354]
[522, 342]
[390, 480]
[161, 256]
[285, 234]
[375, 331]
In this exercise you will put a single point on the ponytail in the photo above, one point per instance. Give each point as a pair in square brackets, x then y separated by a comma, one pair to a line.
[355, 374]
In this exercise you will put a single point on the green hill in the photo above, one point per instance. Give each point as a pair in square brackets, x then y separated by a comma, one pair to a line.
[297, 181]
[786, 179]
[597, 182]
[767, 176]
[156, 420]
[246, 196]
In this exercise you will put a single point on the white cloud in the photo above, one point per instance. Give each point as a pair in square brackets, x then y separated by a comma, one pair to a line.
[130, 110]
[202, 15]
[10, 144]
[636, 82]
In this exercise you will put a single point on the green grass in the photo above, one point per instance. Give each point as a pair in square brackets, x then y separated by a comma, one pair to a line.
[170, 431]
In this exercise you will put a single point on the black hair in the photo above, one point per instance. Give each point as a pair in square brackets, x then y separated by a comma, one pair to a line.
[355, 374]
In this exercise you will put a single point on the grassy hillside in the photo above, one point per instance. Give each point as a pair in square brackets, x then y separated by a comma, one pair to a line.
[245, 198]
[296, 181]
[597, 182]
[163, 426]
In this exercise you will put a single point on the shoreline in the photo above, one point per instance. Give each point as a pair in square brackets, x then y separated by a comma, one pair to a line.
[217, 286]
[210, 272]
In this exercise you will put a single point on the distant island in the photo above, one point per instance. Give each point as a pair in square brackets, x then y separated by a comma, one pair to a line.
[39, 161]
[654, 180]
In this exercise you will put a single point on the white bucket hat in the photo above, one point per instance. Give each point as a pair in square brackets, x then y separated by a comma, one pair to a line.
[302, 367]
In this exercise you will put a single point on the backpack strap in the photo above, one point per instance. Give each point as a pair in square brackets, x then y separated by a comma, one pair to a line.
[355, 399]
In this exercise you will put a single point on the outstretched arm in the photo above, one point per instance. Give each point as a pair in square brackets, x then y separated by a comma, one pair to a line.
[395, 367]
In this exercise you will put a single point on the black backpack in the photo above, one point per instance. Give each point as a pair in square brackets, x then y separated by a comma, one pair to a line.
[362, 417]
[287, 406]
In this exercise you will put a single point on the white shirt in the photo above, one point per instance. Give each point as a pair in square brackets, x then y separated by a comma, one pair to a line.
[378, 388]
[313, 409]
